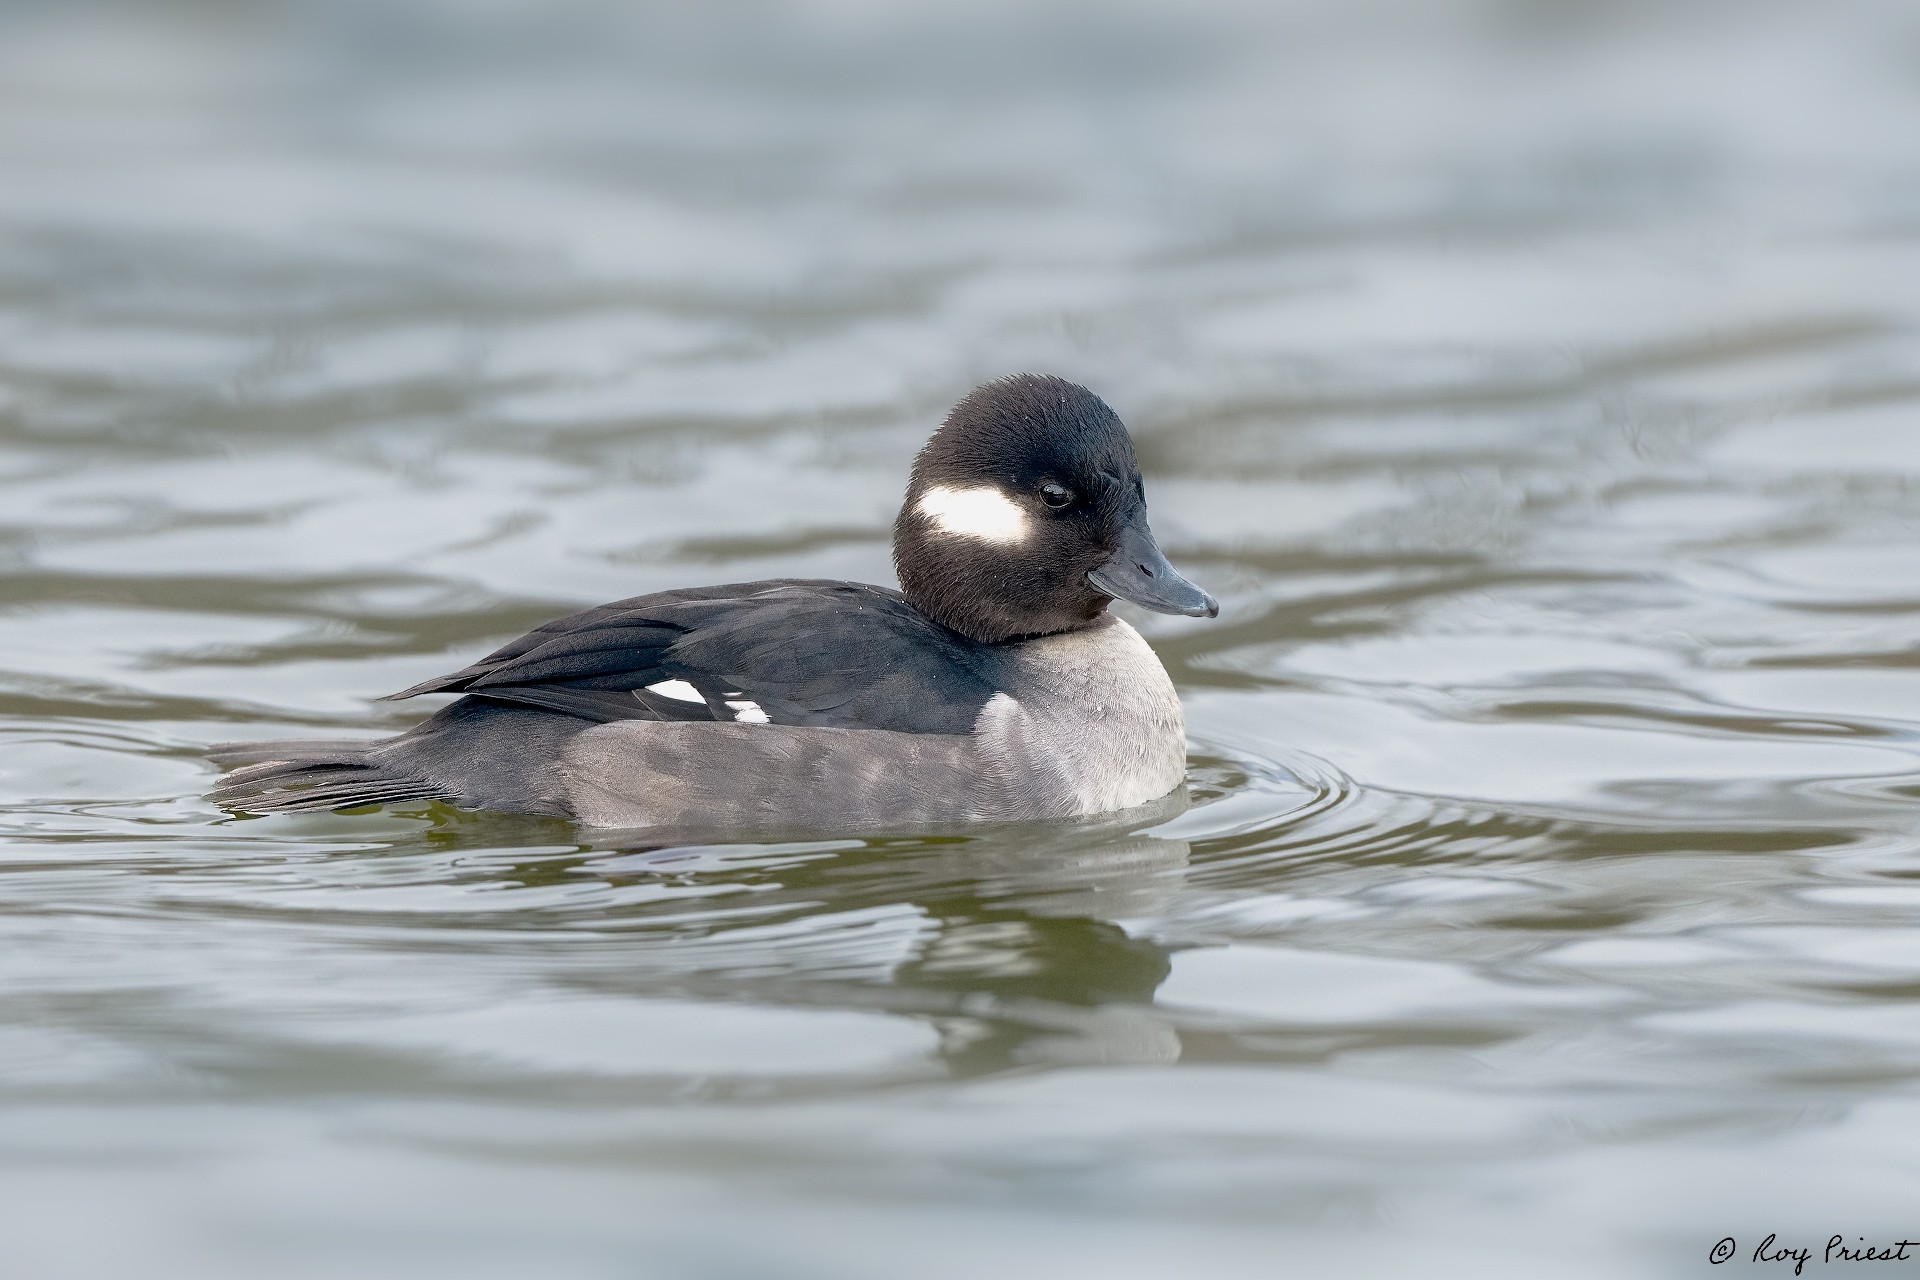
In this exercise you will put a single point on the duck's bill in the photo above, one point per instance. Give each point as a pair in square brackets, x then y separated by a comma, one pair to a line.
[1139, 574]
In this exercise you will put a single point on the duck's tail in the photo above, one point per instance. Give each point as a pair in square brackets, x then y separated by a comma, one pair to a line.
[313, 774]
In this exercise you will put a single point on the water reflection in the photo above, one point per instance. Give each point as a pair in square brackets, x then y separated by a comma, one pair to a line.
[1011, 943]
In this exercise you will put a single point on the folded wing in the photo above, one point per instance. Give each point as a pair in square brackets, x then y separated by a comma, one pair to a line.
[792, 651]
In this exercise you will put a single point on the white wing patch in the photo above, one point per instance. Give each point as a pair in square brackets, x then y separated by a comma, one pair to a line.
[745, 710]
[679, 690]
[982, 512]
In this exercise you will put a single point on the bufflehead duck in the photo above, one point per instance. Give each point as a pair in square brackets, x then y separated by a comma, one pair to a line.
[994, 686]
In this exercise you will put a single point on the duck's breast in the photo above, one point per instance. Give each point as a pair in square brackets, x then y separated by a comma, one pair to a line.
[1088, 723]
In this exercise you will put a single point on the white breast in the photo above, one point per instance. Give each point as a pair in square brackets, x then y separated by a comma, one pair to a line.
[1091, 724]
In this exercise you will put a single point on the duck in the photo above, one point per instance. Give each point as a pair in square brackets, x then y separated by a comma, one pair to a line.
[994, 686]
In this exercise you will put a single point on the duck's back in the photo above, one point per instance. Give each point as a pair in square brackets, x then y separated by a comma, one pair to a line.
[789, 651]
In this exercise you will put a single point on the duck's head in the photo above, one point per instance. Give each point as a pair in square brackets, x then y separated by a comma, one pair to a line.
[1025, 516]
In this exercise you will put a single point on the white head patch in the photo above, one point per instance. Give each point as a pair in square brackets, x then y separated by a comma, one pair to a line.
[984, 512]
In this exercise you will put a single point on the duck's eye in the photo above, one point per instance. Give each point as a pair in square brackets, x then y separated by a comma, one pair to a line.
[1056, 495]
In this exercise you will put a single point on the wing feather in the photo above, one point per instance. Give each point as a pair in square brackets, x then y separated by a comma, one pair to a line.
[802, 651]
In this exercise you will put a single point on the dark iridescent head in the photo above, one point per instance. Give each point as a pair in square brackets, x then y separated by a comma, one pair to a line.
[1025, 515]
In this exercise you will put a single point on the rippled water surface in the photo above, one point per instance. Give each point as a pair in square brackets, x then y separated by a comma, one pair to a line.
[1535, 383]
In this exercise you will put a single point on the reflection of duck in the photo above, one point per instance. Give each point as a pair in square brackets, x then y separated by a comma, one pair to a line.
[995, 686]
[1046, 973]
[1007, 941]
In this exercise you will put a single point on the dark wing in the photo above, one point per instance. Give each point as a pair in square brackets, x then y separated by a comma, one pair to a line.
[795, 651]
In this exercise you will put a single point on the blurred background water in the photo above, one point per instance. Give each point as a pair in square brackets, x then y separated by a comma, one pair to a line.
[1535, 381]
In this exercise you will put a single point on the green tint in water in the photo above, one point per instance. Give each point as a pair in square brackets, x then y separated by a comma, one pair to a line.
[1535, 384]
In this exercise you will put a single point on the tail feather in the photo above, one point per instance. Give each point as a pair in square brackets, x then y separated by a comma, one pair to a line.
[304, 750]
[310, 776]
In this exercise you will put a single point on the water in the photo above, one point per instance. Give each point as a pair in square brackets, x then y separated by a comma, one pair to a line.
[1536, 384]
